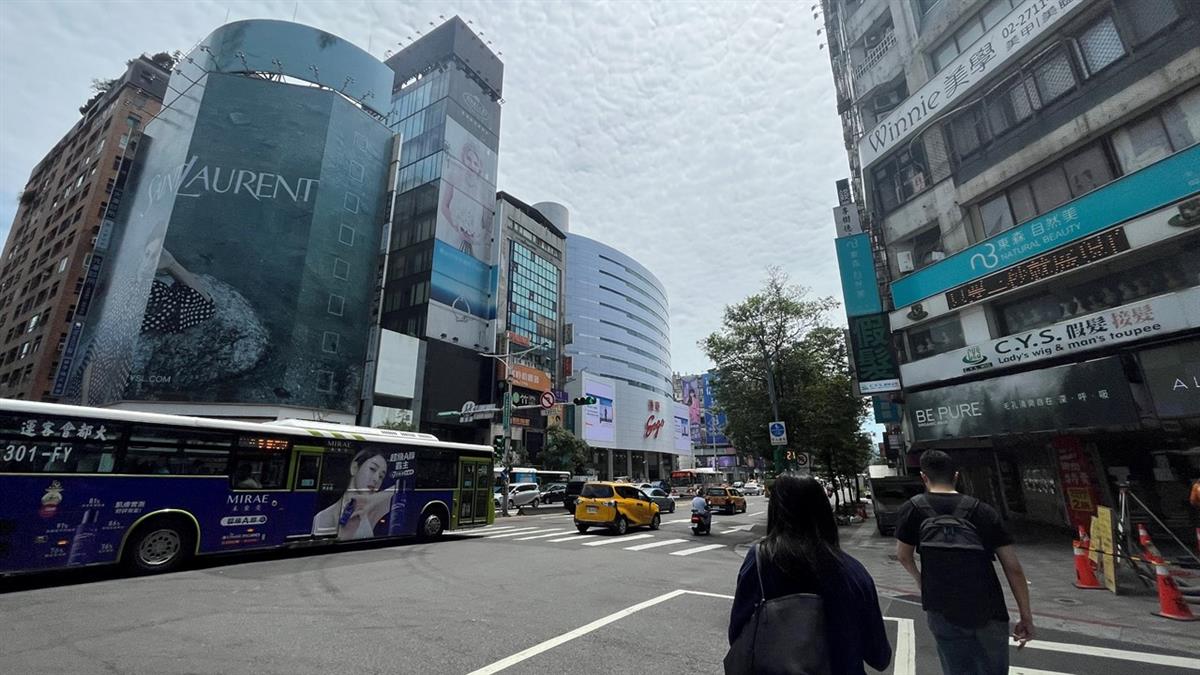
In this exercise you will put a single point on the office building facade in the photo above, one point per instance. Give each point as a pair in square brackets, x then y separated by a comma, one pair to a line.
[620, 353]
[1025, 177]
[49, 267]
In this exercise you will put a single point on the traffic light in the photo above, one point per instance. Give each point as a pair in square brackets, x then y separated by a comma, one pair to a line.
[498, 445]
[585, 400]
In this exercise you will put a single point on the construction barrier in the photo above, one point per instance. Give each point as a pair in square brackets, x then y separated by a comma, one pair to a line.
[1170, 600]
[1085, 576]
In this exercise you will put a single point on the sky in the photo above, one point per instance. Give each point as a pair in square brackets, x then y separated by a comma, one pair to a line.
[700, 138]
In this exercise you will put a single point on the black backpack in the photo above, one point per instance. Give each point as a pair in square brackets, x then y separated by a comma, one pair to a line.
[954, 532]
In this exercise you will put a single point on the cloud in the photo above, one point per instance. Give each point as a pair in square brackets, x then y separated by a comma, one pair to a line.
[700, 139]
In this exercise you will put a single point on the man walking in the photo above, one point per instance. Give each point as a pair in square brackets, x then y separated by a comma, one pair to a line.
[957, 537]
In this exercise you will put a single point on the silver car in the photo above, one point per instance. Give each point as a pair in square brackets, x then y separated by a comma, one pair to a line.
[520, 494]
[665, 503]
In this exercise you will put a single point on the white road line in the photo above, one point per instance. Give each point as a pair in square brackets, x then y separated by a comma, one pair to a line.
[756, 513]
[513, 533]
[698, 549]
[555, 533]
[1108, 653]
[656, 544]
[681, 520]
[486, 531]
[558, 515]
[1014, 670]
[904, 661]
[711, 595]
[573, 537]
[618, 539]
[571, 635]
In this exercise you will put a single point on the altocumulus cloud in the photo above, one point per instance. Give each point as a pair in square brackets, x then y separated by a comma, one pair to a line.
[700, 138]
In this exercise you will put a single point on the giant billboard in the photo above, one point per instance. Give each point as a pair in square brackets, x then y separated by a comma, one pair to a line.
[462, 296]
[599, 419]
[255, 254]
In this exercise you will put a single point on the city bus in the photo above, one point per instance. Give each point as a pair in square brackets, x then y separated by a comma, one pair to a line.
[524, 474]
[689, 480]
[88, 486]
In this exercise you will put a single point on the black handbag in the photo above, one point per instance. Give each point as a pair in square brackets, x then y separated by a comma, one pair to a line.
[786, 636]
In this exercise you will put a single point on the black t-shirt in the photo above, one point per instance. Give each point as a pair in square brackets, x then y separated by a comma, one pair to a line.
[962, 585]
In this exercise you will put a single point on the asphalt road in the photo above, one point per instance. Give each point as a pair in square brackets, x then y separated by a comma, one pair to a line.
[529, 595]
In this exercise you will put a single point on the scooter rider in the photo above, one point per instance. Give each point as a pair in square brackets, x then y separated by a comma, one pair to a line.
[700, 505]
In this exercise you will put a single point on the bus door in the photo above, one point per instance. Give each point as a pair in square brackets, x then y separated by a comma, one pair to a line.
[306, 476]
[474, 491]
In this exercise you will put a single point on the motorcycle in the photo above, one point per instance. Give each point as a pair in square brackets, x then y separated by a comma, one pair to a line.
[700, 524]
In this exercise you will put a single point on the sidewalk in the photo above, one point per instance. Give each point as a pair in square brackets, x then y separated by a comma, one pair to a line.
[1049, 566]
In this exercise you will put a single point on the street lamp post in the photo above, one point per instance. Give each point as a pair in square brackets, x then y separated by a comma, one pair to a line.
[505, 358]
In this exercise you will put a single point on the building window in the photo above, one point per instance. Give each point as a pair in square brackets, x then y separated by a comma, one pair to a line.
[1163, 132]
[900, 177]
[1148, 17]
[346, 235]
[923, 6]
[1054, 76]
[341, 269]
[971, 31]
[1088, 170]
[330, 341]
[336, 304]
[968, 130]
[325, 381]
[996, 216]
[1100, 45]
[62, 264]
[935, 338]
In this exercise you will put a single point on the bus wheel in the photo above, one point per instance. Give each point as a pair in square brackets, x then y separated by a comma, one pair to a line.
[161, 545]
[432, 524]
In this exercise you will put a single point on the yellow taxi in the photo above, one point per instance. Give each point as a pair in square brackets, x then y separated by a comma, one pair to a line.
[616, 506]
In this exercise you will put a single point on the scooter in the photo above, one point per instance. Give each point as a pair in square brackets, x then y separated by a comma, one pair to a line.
[700, 524]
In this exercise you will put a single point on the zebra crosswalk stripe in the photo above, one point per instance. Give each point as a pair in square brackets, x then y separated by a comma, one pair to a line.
[618, 540]
[573, 537]
[555, 533]
[513, 533]
[483, 532]
[656, 544]
[698, 549]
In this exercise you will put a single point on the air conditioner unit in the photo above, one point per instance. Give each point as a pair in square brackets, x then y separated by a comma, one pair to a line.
[935, 256]
[904, 259]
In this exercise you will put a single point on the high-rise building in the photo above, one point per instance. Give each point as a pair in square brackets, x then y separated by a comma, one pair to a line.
[530, 312]
[620, 354]
[240, 277]
[440, 286]
[1026, 175]
[72, 196]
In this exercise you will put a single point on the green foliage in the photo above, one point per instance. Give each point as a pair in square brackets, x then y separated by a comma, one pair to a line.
[785, 328]
[564, 451]
[397, 425]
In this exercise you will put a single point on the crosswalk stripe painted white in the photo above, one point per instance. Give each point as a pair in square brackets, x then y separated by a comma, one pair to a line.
[681, 520]
[698, 549]
[557, 515]
[1107, 653]
[522, 531]
[756, 513]
[555, 533]
[618, 540]
[485, 531]
[656, 544]
[573, 537]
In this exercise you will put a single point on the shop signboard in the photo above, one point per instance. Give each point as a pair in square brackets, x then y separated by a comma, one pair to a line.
[860, 290]
[1089, 394]
[992, 52]
[874, 363]
[1078, 481]
[886, 412]
[1172, 375]
[526, 377]
[1153, 187]
[846, 218]
[1148, 318]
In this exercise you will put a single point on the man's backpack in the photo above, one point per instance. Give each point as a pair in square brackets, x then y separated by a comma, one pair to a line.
[954, 532]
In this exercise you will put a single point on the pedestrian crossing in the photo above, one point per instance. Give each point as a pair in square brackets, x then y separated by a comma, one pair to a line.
[546, 533]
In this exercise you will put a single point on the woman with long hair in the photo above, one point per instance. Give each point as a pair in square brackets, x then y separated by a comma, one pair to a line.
[800, 554]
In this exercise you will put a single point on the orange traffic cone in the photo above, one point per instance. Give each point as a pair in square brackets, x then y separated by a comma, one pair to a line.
[1085, 576]
[1170, 601]
[1148, 547]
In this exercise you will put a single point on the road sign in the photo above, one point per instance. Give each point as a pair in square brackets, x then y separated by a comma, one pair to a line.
[778, 432]
[548, 400]
[803, 461]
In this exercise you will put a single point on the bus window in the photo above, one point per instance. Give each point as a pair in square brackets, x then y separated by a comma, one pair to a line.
[260, 464]
[307, 471]
[176, 452]
[436, 468]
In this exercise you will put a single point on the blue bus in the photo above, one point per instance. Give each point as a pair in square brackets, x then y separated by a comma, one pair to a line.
[90, 486]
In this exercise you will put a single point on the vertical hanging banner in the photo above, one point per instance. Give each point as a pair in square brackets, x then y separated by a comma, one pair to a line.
[1079, 487]
[860, 288]
[874, 363]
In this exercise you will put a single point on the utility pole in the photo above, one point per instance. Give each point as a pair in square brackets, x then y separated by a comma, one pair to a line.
[506, 359]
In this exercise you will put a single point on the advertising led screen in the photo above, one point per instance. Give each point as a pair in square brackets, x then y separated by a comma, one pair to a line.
[599, 419]
[683, 428]
[258, 253]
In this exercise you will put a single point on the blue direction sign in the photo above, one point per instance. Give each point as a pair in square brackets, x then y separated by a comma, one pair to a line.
[778, 433]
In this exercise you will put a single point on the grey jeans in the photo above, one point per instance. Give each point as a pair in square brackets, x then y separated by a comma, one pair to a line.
[970, 651]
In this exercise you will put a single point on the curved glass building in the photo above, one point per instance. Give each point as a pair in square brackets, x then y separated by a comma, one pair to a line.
[620, 353]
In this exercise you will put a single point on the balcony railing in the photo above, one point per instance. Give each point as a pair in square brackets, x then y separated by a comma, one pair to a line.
[875, 54]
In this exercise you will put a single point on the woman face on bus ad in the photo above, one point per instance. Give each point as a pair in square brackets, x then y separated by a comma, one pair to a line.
[368, 473]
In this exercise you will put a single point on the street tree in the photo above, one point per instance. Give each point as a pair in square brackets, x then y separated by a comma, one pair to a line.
[564, 451]
[784, 331]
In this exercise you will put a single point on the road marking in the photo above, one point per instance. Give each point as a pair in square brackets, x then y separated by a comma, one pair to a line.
[905, 658]
[739, 528]
[681, 520]
[486, 531]
[756, 513]
[558, 515]
[571, 538]
[1108, 653]
[698, 549]
[555, 533]
[1013, 670]
[711, 595]
[523, 530]
[666, 542]
[617, 539]
[571, 635]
